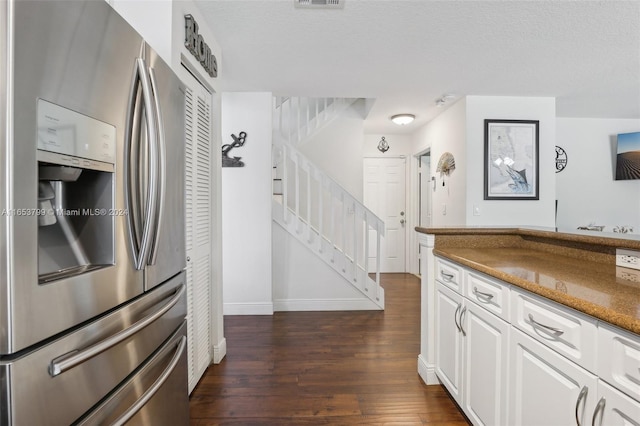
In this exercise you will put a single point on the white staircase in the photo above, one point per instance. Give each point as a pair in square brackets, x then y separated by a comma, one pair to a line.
[296, 119]
[315, 209]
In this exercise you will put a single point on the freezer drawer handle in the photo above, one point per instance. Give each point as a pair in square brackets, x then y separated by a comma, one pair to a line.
[149, 393]
[65, 362]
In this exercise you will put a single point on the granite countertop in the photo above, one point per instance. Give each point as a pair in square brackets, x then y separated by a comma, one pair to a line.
[555, 268]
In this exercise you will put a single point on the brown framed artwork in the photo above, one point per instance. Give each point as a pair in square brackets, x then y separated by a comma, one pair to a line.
[511, 162]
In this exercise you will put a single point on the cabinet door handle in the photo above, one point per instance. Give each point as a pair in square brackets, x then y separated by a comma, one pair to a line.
[554, 330]
[599, 407]
[455, 317]
[464, 310]
[582, 395]
[446, 277]
[487, 296]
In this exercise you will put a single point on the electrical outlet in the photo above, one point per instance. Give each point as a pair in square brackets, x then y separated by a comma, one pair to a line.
[628, 258]
[444, 209]
[630, 276]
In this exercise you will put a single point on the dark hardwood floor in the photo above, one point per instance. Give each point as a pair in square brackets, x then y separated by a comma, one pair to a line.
[325, 368]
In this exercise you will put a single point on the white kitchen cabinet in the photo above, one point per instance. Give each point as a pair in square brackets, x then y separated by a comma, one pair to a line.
[619, 359]
[485, 365]
[449, 340]
[471, 354]
[564, 330]
[614, 408]
[546, 388]
[450, 274]
[489, 293]
[510, 357]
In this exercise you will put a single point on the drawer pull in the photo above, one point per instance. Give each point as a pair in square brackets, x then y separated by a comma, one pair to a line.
[599, 407]
[446, 277]
[481, 294]
[581, 396]
[554, 330]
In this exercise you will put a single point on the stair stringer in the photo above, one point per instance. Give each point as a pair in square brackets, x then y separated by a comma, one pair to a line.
[307, 279]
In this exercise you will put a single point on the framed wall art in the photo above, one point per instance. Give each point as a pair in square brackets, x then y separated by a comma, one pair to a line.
[511, 159]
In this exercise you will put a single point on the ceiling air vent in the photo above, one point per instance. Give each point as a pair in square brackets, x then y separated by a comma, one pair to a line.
[317, 4]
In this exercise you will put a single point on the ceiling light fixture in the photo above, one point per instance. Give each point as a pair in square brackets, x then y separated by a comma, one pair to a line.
[402, 119]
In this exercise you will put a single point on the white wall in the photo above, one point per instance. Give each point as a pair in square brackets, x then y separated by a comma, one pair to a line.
[152, 19]
[586, 189]
[246, 205]
[446, 133]
[337, 149]
[400, 145]
[500, 212]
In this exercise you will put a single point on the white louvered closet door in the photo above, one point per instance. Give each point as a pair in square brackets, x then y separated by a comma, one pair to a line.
[199, 225]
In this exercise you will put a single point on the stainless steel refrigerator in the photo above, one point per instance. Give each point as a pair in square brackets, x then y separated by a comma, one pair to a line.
[92, 250]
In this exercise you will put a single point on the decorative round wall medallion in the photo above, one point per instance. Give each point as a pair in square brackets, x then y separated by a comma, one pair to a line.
[561, 159]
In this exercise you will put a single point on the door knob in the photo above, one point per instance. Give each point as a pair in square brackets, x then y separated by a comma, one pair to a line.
[401, 221]
[401, 213]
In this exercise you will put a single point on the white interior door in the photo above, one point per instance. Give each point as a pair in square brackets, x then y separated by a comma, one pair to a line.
[198, 139]
[384, 194]
[426, 189]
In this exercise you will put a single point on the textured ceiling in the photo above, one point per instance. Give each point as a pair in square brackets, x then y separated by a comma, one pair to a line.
[406, 54]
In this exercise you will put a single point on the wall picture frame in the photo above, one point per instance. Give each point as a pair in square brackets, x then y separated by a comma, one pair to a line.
[511, 163]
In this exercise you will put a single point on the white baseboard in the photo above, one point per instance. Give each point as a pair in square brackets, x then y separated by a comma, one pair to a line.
[248, 309]
[293, 305]
[219, 351]
[427, 372]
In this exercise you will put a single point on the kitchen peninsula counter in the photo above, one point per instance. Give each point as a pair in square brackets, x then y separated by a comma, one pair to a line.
[576, 270]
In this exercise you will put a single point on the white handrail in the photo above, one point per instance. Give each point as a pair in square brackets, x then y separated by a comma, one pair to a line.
[348, 237]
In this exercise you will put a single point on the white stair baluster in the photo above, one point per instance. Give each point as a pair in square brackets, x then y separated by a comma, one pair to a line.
[366, 251]
[296, 211]
[285, 185]
[320, 211]
[355, 243]
[378, 261]
[332, 235]
[309, 227]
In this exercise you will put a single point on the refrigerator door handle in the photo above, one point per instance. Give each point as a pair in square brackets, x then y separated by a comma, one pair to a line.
[140, 244]
[150, 213]
[149, 393]
[161, 156]
[130, 154]
[67, 361]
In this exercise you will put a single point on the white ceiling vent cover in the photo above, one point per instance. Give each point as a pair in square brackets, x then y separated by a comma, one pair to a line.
[319, 4]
